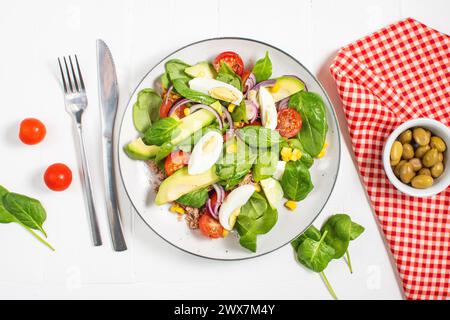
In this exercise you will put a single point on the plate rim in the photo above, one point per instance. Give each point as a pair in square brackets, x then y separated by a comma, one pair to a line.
[120, 123]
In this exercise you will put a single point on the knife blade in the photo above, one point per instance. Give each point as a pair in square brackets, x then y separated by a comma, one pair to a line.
[109, 101]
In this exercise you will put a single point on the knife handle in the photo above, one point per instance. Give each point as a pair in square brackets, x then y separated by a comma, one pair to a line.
[115, 224]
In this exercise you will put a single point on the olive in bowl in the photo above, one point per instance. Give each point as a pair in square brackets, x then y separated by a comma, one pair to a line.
[415, 157]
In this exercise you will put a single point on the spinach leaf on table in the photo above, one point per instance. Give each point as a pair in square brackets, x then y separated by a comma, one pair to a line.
[195, 199]
[26, 211]
[259, 137]
[263, 68]
[314, 121]
[296, 181]
[162, 131]
[227, 75]
[256, 217]
[265, 165]
[312, 233]
[146, 109]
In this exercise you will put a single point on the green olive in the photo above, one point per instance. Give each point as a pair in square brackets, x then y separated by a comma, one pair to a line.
[424, 171]
[437, 170]
[422, 182]
[421, 137]
[416, 164]
[441, 157]
[420, 151]
[438, 143]
[430, 158]
[396, 152]
[405, 137]
[408, 151]
[397, 168]
[406, 172]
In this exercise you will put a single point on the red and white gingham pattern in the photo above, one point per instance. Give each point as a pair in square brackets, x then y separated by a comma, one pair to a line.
[396, 74]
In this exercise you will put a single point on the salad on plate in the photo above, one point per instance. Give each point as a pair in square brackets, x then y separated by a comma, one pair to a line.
[229, 143]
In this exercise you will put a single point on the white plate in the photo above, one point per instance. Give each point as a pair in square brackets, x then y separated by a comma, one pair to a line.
[136, 177]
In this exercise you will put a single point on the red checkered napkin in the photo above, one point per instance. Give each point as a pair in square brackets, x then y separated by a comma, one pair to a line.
[396, 74]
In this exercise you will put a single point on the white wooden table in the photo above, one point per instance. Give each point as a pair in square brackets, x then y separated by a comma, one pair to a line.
[140, 33]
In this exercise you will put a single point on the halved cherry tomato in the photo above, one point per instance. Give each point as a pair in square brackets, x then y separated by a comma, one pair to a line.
[232, 59]
[210, 227]
[289, 122]
[58, 177]
[175, 161]
[32, 131]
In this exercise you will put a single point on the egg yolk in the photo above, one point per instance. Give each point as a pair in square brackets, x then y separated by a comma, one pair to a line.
[222, 93]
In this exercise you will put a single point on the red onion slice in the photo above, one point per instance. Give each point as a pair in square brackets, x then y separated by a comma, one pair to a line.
[212, 211]
[250, 82]
[219, 191]
[167, 96]
[251, 110]
[229, 118]
[283, 104]
[265, 83]
[211, 109]
[178, 104]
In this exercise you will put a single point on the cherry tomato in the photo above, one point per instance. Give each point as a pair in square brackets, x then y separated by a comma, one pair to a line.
[175, 161]
[289, 122]
[32, 131]
[232, 59]
[210, 227]
[58, 177]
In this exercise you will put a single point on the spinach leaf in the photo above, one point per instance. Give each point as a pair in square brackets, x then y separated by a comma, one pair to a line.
[265, 165]
[314, 254]
[165, 82]
[240, 113]
[235, 162]
[259, 137]
[146, 109]
[227, 75]
[161, 131]
[263, 68]
[256, 217]
[306, 158]
[314, 122]
[296, 181]
[181, 86]
[311, 233]
[195, 199]
[175, 70]
[356, 230]
[26, 211]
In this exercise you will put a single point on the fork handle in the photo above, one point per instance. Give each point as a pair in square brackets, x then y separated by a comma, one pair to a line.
[87, 190]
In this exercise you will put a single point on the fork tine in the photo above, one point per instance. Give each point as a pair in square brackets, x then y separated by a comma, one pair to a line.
[79, 73]
[73, 74]
[62, 76]
[68, 76]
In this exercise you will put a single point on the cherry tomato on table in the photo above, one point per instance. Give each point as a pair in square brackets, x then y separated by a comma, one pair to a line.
[232, 59]
[32, 131]
[175, 161]
[289, 122]
[210, 227]
[58, 177]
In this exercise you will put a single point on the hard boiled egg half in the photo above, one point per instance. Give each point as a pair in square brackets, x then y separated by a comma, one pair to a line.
[217, 89]
[230, 208]
[206, 152]
[269, 116]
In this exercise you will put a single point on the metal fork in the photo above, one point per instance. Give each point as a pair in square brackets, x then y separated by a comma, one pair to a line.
[76, 102]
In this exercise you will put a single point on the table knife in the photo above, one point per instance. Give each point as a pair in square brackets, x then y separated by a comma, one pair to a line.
[109, 100]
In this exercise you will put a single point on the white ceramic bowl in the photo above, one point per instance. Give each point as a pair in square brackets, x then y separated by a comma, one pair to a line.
[436, 128]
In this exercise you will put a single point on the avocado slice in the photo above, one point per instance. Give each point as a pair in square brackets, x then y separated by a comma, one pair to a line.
[181, 183]
[201, 70]
[138, 150]
[286, 86]
[273, 191]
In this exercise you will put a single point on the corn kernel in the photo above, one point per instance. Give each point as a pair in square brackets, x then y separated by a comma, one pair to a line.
[231, 148]
[291, 205]
[231, 107]
[187, 111]
[225, 233]
[296, 155]
[238, 124]
[176, 208]
[322, 153]
[257, 187]
[286, 153]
